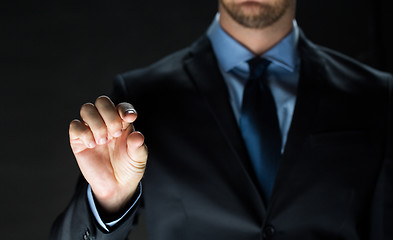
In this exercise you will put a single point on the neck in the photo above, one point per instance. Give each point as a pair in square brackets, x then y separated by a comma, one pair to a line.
[258, 41]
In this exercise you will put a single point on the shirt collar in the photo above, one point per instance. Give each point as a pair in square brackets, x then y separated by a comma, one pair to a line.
[283, 54]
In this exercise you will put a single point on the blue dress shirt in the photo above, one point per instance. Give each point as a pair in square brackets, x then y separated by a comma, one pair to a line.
[282, 74]
[282, 78]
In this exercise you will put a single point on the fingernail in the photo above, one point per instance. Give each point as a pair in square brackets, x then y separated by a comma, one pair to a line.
[102, 141]
[91, 145]
[130, 111]
[117, 134]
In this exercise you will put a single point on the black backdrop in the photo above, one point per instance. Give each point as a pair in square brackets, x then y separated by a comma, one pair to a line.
[56, 55]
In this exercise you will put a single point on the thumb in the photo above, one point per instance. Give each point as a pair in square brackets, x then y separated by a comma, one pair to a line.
[137, 150]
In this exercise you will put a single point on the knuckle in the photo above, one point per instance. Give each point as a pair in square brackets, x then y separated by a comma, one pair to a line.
[100, 131]
[85, 134]
[114, 125]
[138, 167]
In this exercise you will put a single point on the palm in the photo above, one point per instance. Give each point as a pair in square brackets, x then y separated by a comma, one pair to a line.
[105, 166]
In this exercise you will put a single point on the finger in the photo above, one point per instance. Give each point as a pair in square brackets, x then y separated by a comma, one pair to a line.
[127, 113]
[108, 113]
[93, 119]
[137, 150]
[79, 131]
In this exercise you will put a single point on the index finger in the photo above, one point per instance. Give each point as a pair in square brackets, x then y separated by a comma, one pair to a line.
[127, 113]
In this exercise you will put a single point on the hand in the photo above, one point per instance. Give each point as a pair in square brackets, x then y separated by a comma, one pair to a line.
[110, 153]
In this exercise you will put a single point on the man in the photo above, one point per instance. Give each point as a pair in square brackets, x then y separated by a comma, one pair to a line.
[325, 171]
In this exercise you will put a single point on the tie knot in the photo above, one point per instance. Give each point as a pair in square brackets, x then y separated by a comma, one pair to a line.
[257, 66]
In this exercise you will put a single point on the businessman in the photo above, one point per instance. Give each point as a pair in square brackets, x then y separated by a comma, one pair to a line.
[253, 132]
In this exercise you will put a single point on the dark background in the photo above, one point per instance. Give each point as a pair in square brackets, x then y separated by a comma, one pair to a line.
[57, 55]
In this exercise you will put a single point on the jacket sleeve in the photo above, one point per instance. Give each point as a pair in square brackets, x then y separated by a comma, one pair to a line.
[78, 222]
[382, 209]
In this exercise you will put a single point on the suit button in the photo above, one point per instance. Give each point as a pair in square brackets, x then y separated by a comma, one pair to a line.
[269, 231]
[86, 236]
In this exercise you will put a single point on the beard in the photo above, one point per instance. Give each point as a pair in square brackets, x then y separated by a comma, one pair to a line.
[254, 14]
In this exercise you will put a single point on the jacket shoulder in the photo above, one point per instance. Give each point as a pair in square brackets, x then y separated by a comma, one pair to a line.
[337, 62]
[343, 72]
[168, 73]
[341, 66]
[150, 78]
[168, 65]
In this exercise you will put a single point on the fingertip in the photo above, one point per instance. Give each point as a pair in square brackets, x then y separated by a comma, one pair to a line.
[136, 139]
[129, 115]
[117, 134]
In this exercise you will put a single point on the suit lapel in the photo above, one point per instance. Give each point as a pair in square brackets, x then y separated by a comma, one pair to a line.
[203, 70]
[312, 76]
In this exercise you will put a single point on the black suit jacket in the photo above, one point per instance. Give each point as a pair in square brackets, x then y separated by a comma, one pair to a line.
[335, 179]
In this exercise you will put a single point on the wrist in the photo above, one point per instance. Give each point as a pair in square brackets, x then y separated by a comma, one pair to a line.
[113, 204]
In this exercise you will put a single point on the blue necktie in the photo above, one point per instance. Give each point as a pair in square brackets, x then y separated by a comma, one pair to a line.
[259, 126]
